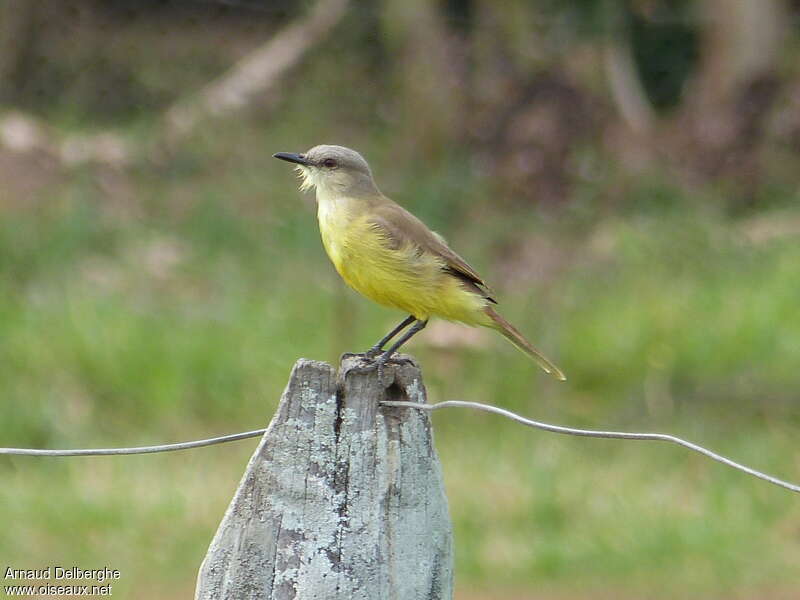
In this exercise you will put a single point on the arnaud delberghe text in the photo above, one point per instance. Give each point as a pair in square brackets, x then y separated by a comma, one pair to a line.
[57, 573]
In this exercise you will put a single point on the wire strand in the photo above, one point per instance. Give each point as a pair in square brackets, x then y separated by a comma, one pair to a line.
[138, 450]
[622, 435]
[657, 437]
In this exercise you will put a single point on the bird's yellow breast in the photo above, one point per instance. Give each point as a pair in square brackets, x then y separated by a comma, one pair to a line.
[400, 275]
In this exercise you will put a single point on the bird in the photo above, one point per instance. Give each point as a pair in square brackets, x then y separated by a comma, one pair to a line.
[390, 256]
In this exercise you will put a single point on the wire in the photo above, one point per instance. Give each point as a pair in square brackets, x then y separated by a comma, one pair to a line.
[658, 437]
[139, 450]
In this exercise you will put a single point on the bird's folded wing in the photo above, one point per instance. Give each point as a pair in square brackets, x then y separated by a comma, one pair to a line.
[400, 227]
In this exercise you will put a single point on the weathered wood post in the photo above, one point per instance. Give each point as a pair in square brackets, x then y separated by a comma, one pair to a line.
[342, 499]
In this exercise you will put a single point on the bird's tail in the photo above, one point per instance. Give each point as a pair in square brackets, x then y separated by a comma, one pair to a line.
[515, 337]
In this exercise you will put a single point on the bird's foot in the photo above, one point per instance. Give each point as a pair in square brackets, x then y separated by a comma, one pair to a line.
[397, 359]
[373, 352]
[370, 354]
[390, 358]
[376, 352]
[377, 359]
[367, 367]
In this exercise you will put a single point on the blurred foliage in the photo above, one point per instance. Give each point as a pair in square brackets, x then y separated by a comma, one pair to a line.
[167, 298]
[529, 82]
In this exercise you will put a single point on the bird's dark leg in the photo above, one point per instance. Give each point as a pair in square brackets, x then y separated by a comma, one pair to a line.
[378, 348]
[418, 326]
[387, 355]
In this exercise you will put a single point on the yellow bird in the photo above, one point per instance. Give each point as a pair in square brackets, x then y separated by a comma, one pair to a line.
[387, 254]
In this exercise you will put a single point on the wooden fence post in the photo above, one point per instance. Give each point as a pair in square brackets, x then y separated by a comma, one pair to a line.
[342, 499]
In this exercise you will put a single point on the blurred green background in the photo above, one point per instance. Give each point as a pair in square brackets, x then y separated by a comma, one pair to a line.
[623, 172]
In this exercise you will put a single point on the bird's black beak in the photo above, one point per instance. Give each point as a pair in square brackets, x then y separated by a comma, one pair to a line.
[292, 158]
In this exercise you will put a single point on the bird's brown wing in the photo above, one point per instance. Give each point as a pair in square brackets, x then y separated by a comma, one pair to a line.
[401, 227]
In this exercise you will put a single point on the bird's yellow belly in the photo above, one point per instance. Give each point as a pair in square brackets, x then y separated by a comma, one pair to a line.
[401, 278]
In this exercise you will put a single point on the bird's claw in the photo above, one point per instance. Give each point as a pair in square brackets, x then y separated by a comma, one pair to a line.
[387, 358]
[370, 354]
[376, 360]
[400, 360]
[373, 352]
[370, 367]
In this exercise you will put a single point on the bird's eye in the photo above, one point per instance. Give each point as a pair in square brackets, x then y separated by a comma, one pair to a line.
[330, 163]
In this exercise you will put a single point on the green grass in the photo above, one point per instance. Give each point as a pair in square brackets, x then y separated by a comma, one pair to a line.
[174, 305]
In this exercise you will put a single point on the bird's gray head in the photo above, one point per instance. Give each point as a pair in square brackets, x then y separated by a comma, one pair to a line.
[332, 169]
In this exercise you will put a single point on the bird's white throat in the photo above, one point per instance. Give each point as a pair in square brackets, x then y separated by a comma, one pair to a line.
[307, 179]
